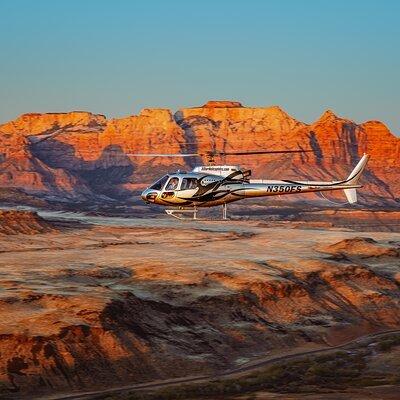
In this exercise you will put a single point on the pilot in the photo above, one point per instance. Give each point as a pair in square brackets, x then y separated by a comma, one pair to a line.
[172, 184]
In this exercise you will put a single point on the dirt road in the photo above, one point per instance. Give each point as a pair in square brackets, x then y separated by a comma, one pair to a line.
[231, 373]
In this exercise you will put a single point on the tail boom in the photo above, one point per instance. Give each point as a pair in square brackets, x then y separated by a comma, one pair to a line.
[260, 188]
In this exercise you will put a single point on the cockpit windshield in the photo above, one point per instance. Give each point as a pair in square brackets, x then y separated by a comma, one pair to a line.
[160, 183]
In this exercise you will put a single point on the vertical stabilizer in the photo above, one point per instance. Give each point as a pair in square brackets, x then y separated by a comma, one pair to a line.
[351, 194]
[357, 171]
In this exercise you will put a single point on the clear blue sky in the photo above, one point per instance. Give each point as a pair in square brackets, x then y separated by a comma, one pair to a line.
[116, 57]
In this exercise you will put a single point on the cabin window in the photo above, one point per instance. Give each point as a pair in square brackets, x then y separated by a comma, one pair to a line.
[189, 183]
[160, 183]
[172, 184]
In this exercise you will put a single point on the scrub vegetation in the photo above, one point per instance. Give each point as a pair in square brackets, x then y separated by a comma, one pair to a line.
[329, 372]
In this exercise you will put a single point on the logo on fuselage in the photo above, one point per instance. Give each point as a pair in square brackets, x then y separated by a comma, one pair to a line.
[211, 168]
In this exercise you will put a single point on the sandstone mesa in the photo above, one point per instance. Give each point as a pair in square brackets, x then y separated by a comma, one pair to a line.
[79, 154]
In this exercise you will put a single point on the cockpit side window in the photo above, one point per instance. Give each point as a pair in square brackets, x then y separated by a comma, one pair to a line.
[172, 184]
[160, 183]
[189, 183]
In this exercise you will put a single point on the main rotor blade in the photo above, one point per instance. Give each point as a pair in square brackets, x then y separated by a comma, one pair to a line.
[246, 153]
[163, 155]
[218, 153]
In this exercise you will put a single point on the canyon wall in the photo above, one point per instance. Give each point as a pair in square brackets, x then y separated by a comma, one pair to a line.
[81, 155]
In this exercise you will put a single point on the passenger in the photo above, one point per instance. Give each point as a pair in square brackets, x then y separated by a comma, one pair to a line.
[189, 183]
[172, 184]
[193, 183]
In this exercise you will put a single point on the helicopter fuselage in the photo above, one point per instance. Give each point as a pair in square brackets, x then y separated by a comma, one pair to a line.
[209, 186]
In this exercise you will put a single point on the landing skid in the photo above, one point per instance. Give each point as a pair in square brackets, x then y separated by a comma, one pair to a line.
[177, 213]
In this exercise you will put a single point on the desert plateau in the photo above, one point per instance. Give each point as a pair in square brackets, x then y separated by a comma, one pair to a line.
[103, 296]
[93, 304]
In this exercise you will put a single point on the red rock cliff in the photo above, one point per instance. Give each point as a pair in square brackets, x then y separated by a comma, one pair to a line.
[81, 152]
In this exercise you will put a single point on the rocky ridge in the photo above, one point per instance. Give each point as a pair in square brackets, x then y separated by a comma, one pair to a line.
[26, 222]
[80, 154]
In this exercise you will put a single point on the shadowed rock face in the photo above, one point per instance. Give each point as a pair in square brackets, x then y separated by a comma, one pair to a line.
[66, 153]
[91, 308]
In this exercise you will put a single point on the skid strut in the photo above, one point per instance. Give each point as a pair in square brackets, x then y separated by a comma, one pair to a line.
[176, 213]
[179, 213]
[224, 211]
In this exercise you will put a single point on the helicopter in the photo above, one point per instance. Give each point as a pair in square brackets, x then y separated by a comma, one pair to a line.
[217, 185]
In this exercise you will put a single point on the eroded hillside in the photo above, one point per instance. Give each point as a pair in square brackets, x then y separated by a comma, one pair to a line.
[96, 306]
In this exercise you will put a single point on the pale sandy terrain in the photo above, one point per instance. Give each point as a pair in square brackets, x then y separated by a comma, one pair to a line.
[91, 306]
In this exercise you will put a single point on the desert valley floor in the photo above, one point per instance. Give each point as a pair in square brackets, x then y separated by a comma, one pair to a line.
[92, 303]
